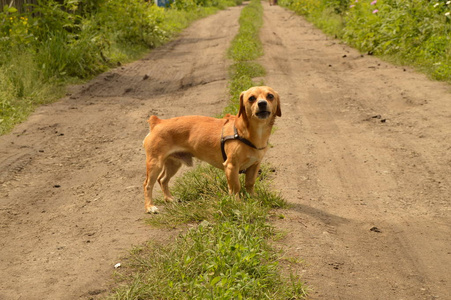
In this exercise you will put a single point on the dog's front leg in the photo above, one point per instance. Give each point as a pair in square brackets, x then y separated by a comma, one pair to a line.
[251, 177]
[233, 180]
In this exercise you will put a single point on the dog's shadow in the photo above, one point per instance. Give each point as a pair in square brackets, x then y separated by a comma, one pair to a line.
[319, 214]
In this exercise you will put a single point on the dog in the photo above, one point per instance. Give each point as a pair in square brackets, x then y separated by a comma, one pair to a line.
[234, 143]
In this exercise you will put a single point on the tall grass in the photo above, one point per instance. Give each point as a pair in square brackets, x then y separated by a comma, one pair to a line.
[63, 42]
[416, 32]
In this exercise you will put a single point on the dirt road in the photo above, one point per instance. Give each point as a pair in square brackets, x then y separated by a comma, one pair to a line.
[71, 176]
[362, 153]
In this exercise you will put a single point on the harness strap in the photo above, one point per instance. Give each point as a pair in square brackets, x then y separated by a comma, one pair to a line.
[236, 136]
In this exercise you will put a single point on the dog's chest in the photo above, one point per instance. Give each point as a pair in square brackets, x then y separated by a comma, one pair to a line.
[250, 160]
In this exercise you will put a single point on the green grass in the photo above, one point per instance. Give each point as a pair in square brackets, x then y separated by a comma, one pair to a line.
[22, 90]
[246, 46]
[226, 253]
[198, 188]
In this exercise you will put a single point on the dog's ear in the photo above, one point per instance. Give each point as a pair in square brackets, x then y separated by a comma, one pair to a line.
[242, 111]
[278, 110]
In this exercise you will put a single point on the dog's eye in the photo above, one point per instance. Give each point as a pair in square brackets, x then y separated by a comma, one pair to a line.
[270, 96]
[252, 98]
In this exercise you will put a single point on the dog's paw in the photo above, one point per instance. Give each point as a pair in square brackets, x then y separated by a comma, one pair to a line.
[169, 199]
[152, 210]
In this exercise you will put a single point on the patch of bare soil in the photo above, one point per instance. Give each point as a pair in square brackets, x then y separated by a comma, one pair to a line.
[363, 154]
[71, 201]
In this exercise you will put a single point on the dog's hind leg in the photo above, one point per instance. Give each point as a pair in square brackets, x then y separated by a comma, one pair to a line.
[171, 166]
[153, 168]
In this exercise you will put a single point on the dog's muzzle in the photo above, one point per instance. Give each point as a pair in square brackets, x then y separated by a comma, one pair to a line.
[263, 112]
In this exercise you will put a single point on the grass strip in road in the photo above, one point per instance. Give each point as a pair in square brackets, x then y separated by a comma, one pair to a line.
[225, 254]
[245, 48]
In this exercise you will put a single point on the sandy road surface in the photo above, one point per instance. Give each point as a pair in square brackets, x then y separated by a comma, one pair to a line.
[362, 152]
[71, 176]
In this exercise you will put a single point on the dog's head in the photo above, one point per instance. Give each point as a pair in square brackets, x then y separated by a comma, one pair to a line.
[260, 103]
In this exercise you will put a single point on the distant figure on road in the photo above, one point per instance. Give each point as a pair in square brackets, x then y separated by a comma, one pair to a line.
[272, 2]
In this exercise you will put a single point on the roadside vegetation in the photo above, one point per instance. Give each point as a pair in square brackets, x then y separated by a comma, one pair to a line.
[416, 32]
[226, 252]
[56, 43]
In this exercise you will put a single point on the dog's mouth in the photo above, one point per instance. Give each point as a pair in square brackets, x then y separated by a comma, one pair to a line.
[263, 114]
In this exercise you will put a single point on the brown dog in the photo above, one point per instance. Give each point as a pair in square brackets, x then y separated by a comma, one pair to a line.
[234, 143]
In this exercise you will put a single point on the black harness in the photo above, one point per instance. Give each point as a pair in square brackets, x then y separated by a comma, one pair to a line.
[236, 136]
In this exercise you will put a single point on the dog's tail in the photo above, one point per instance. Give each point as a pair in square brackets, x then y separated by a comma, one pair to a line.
[153, 121]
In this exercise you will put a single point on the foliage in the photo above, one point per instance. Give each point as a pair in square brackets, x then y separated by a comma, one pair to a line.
[58, 41]
[413, 32]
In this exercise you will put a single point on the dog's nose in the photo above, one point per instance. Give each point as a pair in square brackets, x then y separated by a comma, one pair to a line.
[262, 104]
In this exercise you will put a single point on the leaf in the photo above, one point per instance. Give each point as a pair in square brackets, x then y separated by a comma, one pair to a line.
[215, 280]
[8, 9]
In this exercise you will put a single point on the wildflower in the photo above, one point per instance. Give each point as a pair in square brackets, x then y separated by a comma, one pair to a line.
[448, 3]
[352, 6]
[375, 11]
[436, 4]
[447, 14]
[374, 2]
